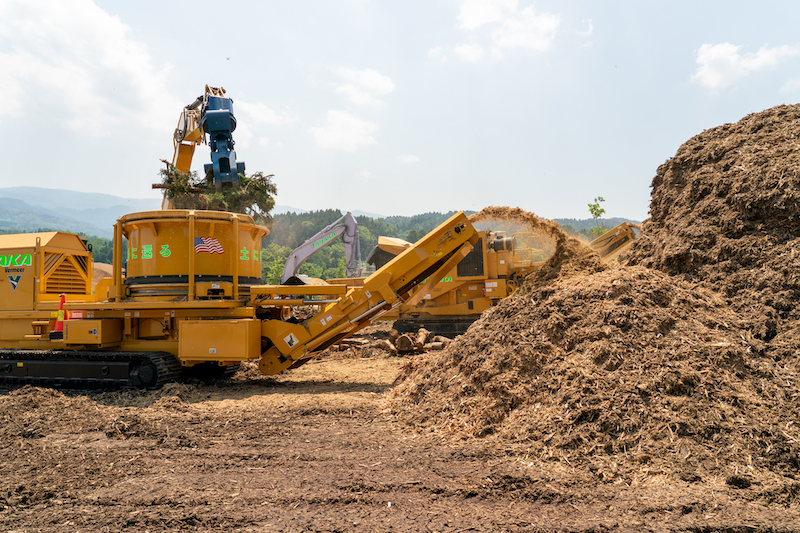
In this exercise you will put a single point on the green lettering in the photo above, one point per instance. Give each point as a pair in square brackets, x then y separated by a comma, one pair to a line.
[323, 241]
[16, 260]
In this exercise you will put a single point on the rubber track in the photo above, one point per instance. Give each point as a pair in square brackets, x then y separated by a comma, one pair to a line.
[168, 368]
[442, 326]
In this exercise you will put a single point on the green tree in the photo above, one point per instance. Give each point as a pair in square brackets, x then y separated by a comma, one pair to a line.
[597, 212]
[273, 258]
[252, 195]
[414, 235]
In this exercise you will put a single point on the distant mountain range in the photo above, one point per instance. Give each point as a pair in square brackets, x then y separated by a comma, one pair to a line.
[35, 208]
[30, 209]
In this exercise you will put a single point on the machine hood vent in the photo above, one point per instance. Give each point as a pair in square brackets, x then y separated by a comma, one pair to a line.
[65, 274]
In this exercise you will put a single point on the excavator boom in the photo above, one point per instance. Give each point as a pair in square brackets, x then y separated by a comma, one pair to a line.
[345, 228]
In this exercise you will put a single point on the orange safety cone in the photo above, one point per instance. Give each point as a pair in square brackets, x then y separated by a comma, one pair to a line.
[58, 330]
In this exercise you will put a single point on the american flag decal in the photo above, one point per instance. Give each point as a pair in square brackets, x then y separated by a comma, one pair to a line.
[207, 244]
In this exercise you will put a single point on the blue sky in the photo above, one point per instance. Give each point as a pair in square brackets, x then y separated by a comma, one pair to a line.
[394, 108]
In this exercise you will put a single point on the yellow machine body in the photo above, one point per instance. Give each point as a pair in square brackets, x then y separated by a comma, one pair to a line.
[614, 241]
[488, 274]
[204, 254]
[37, 268]
[478, 282]
[177, 299]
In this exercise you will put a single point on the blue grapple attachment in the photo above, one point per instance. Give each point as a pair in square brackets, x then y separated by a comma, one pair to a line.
[219, 123]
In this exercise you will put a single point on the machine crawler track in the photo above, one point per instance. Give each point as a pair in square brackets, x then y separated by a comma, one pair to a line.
[446, 327]
[87, 370]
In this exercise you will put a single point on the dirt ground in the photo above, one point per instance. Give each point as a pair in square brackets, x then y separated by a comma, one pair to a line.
[315, 450]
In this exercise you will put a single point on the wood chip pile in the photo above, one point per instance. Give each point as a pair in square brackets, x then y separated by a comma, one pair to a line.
[680, 362]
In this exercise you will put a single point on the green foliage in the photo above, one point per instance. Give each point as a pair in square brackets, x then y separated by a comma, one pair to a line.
[253, 195]
[414, 228]
[293, 229]
[414, 235]
[273, 257]
[103, 249]
[597, 212]
[595, 208]
[290, 230]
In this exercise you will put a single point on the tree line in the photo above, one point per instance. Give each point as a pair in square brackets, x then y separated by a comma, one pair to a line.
[290, 230]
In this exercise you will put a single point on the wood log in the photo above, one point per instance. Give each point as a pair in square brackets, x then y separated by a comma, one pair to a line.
[354, 342]
[405, 344]
[386, 346]
[422, 336]
[428, 335]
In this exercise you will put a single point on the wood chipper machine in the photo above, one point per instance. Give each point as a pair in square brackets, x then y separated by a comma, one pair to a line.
[191, 297]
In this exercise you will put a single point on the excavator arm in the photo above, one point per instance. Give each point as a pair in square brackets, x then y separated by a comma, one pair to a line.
[211, 114]
[348, 309]
[345, 228]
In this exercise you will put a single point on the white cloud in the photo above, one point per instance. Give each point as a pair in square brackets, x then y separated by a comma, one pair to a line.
[499, 26]
[358, 96]
[437, 54]
[589, 28]
[260, 113]
[408, 159]
[526, 29]
[343, 131]
[369, 79]
[365, 175]
[721, 65]
[251, 117]
[82, 66]
[363, 87]
[469, 52]
[476, 13]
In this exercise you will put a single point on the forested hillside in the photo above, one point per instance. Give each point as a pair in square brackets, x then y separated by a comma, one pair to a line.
[290, 230]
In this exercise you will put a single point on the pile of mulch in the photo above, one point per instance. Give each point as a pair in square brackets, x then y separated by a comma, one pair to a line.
[725, 211]
[679, 362]
[624, 373]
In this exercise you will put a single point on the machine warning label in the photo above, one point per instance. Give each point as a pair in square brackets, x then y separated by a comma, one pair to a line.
[290, 340]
